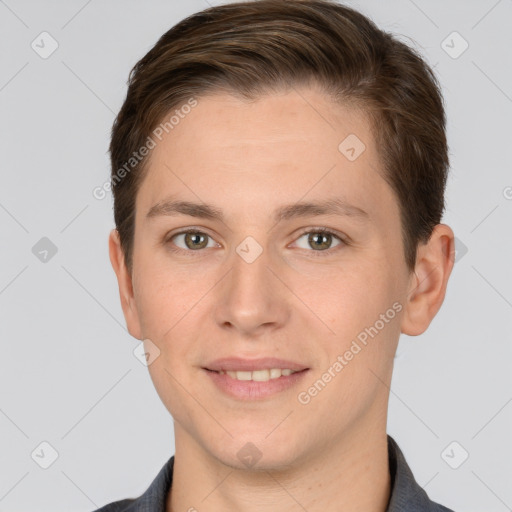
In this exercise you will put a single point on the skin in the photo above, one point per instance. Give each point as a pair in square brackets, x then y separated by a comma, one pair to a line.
[247, 159]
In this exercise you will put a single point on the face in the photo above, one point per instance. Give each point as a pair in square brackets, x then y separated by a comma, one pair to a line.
[256, 278]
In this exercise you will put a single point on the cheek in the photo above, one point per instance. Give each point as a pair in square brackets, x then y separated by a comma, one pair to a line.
[165, 308]
[347, 296]
[161, 301]
[361, 305]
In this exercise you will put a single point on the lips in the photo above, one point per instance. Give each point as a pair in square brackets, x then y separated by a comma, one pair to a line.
[255, 379]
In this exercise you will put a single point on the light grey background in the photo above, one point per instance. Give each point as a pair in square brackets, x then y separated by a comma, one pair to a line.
[68, 375]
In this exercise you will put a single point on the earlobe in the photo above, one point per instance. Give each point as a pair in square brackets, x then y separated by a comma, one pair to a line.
[428, 283]
[124, 281]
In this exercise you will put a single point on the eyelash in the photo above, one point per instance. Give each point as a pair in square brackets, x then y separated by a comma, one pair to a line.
[321, 230]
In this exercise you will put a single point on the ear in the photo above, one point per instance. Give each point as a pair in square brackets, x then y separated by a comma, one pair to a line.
[427, 285]
[124, 280]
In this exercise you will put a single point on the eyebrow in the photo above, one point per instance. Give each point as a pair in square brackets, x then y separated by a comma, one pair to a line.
[334, 206]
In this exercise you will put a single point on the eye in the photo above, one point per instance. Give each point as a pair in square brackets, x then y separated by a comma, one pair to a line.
[193, 240]
[320, 239]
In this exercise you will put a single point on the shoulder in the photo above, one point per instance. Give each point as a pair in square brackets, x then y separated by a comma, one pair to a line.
[125, 505]
[436, 507]
[153, 499]
[406, 494]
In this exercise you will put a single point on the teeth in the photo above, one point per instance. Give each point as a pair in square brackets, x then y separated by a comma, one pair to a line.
[259, 375]
[275, 373]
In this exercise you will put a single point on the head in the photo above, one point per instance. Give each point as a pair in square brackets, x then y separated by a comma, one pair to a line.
[279, 118]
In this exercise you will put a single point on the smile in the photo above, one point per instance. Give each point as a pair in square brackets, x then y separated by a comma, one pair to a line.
[258, 375]
[255, 384]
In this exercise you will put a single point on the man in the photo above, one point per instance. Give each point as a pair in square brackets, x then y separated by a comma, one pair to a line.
[278, 170]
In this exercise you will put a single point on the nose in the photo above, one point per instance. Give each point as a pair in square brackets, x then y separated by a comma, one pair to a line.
[252, 299]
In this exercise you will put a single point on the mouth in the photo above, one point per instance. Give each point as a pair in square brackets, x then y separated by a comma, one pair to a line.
[254, 379]
[263, 375]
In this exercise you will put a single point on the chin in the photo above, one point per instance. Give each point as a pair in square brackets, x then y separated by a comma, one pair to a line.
[266, 455]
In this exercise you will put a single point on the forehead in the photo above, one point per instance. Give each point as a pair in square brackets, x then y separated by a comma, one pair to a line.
[222, 121]
[287, 145]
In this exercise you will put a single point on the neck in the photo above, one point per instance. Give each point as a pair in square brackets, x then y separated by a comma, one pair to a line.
[352, 475]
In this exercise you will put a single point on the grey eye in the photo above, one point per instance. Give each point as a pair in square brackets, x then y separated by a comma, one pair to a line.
[319, 240]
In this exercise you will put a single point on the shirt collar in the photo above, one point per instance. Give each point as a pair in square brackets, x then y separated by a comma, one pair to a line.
[406, 494]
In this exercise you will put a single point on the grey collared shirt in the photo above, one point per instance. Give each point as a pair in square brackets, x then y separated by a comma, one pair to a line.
[406, 494]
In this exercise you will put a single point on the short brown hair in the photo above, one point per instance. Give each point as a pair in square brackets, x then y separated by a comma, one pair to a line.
[250, 48]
